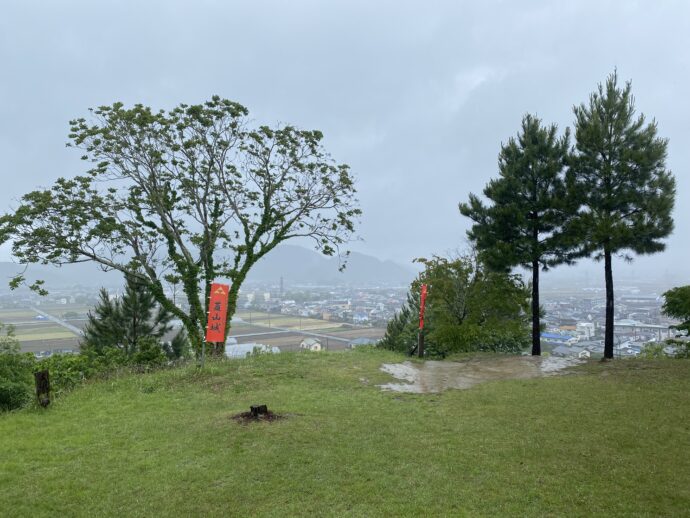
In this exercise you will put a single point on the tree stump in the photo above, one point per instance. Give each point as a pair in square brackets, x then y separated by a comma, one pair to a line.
[42, 387]
[257, 410]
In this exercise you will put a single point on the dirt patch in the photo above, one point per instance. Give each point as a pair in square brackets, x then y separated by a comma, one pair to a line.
[437, 376]
[249, 417]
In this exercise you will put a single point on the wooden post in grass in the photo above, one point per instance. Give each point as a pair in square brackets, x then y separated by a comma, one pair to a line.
[42, 379]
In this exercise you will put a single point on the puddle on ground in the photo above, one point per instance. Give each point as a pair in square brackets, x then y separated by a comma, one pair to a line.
[436, 376]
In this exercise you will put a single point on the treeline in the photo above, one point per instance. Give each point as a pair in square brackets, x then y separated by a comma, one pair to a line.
[469, 307]
[607, 194]
[126, 332]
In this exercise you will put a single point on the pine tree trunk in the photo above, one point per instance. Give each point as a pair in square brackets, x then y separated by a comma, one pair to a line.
[536, 334]
[195, 339]
[608, 333]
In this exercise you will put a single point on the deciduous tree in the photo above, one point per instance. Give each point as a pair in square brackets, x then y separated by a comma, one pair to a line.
[677, 305]
[193, 192]
[468, 308]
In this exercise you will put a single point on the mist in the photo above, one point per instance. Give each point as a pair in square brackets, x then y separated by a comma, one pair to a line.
[416, 98]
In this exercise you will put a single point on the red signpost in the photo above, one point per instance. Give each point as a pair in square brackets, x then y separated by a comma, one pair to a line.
[217, 315]
[422, 303]
[420, 336]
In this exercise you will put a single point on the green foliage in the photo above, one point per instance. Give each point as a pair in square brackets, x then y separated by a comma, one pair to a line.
[149, 353]
[619, 172]
[468, 308]
[531, 208]
[653, 351]
[69, 370]
[125, 322]
[398, 332]
[178, 347]
[185, 196]
[677, 305]
[141, 315]
[530, 203]
[680, 349]
[16, 372]
[103, 328]
[620, 169]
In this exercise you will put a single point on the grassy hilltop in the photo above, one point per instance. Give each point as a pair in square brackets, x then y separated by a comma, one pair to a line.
[611, 440]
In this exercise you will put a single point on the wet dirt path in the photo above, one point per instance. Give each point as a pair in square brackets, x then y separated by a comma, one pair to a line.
[436, 376]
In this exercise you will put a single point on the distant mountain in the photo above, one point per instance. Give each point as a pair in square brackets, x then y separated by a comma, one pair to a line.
[294, 263]
[301, 265]
[86, 275]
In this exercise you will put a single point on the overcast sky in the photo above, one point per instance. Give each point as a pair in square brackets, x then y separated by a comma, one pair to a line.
[416, 96]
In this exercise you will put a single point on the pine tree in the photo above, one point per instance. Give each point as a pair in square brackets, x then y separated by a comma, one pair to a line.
[620, 168]
[393, 339]
[124, 323]
[524, 226]
[178, 347]
[140, 315]
[104, 327]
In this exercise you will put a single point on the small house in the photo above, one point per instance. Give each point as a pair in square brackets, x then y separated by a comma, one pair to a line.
[310, 344]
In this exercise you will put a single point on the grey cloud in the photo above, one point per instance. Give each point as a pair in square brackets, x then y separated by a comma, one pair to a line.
[415, 96]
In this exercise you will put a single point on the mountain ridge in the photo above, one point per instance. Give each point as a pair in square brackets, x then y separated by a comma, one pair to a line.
[295, 264]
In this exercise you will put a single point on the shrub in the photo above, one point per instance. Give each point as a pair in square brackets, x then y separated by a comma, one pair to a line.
[681, 347]
[149, 353]
[652, 351]
[16, 373]
[468, 308]
[69, 370]
[178, 348]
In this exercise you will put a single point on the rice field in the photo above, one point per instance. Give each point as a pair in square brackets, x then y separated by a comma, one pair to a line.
[287, 321]
[37, 335]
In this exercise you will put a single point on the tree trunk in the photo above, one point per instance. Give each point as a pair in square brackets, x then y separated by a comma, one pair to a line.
[197, 316]
[536, 331]
[195, 339]
[608, 333]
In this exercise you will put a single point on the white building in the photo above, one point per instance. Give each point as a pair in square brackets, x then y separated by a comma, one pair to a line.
[585, 329]
[245, 350]
[310, 344]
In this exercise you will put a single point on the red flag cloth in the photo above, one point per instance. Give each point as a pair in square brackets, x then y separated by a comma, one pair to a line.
[422, 302]
[217, 313]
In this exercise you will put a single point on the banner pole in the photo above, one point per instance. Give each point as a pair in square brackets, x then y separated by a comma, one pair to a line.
[420, 335]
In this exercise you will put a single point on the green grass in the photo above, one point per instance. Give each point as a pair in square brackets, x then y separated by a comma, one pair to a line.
[613, 440]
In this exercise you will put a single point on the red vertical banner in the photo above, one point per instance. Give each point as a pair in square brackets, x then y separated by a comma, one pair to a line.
[217, 313]
[422, 303]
